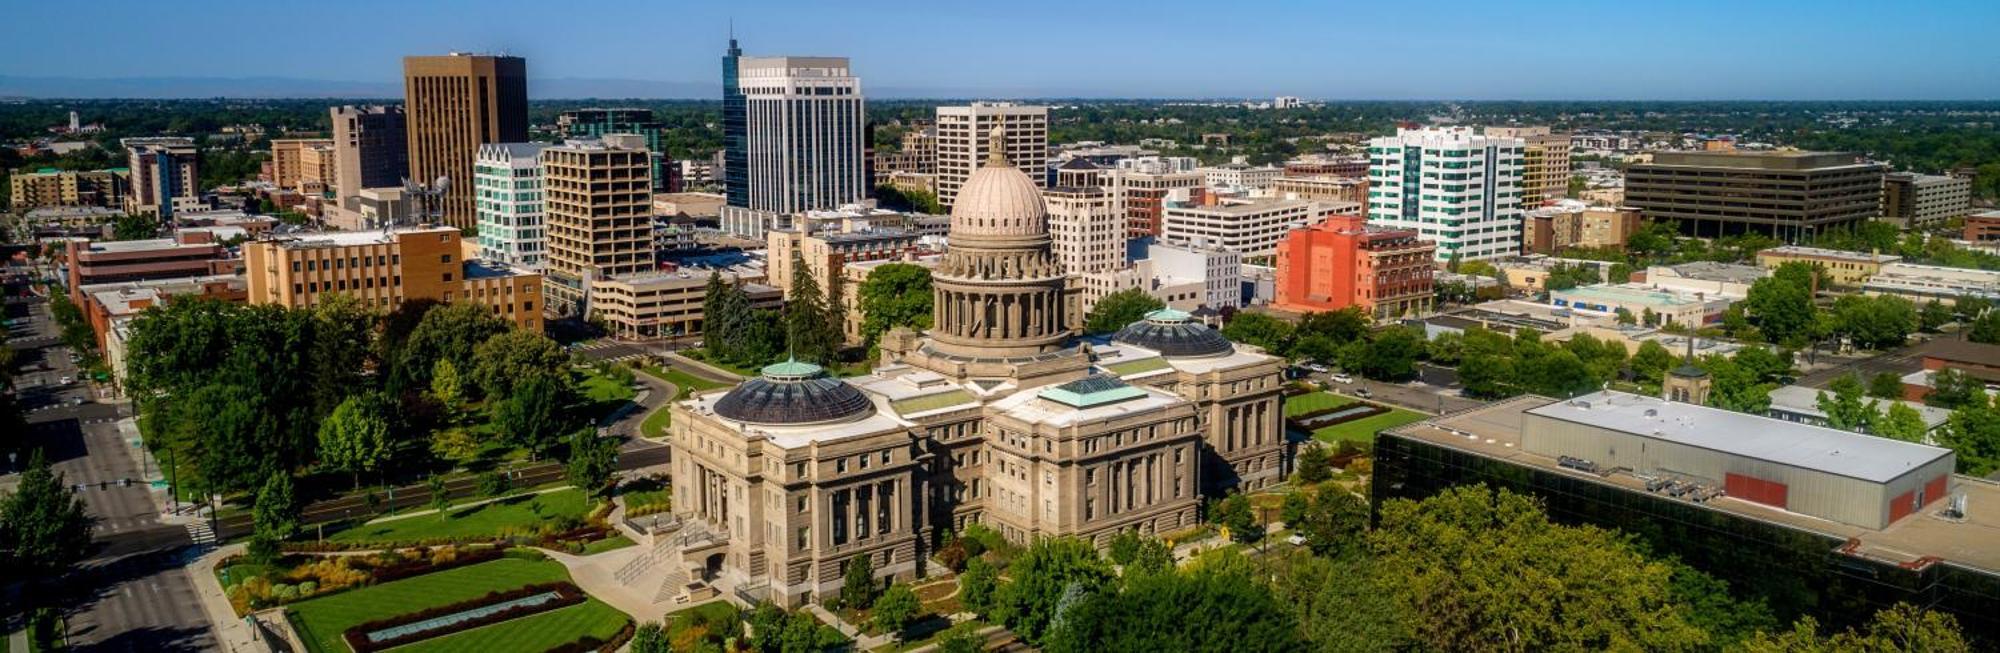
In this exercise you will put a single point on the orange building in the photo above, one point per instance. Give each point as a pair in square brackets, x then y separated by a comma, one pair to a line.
[1342, 262]
[385, 269]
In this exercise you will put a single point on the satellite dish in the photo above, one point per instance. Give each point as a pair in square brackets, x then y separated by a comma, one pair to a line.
[442, 183]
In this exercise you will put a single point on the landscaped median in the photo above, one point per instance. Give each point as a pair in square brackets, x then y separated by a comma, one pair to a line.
[324, 623]
[1339, 419]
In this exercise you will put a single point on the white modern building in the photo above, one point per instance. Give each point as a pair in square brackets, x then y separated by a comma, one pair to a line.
[963, 133]
[805, 132]
[1190, 277]
[1086, 229]
[1240, 174]
[1249, 228]
[507, 203]
[1452, 186]
[1923, 283]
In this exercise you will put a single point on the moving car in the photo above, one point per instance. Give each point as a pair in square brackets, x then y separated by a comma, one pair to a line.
[1342, 378]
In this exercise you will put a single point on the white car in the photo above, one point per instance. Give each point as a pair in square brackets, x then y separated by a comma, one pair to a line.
[1316, 367]
[1342, 378]
[66, 380]
[1296, 540]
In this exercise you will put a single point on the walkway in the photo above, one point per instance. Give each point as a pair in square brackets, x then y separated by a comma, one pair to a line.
[468, 504]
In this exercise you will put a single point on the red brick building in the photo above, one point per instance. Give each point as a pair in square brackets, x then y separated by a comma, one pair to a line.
[1983, 226]
[1342, 262]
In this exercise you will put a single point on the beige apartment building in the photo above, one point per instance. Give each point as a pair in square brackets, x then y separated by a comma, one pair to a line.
[1086, 231]
[1328, 189]
[161, 171]
[826, 252]
[1571, 223]
[963, 134]
[1545, 171]
[664, 304]
[288, 161]
[51, 188]
[598, 207]
[385, 269]
[996, 415]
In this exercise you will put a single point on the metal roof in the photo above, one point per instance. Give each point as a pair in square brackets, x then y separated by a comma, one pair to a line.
[1092, 391]
[1778, 441]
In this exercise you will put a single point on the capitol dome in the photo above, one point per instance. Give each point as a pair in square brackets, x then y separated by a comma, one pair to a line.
[793, 393]
[999, 200]
[1174, 334]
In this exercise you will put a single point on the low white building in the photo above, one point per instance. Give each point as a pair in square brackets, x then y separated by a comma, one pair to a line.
[1250, 228]
[1922, 283]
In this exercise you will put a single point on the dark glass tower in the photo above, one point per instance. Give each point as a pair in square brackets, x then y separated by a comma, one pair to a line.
[735, 130]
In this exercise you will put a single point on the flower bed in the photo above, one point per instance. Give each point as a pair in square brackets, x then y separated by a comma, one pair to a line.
[443, 620]
[323, 576]
[589, 644]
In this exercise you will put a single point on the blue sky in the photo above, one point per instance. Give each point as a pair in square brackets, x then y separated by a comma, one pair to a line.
[1498, 49]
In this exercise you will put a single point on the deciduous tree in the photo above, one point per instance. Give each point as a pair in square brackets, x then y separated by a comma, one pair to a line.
[506, 360]
[1120, 308]
[44, 528]
[355, 438]
[895, 295]
[1041, 576]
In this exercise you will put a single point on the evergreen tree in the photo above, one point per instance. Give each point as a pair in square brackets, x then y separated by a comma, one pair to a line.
[808, 334]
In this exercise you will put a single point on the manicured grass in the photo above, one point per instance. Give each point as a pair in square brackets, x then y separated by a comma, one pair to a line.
[539, 632]
[478, 521]
[321, 621]
[655, 425]
[688, 383]
[612, 543]
[1361, 431]
[1312, 401]
[600, 388]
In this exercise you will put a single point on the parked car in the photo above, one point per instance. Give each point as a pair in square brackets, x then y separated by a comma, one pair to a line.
[1363, 393]
[1342, 378]
[1296, 540]
[66, 380]
[1316, 367]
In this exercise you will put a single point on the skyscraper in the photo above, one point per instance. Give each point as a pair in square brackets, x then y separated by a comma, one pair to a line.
[163, 169]
[801, 142]
[595, 122]
[1453, 187]
[597, 203]
[1545, 170]
[454, 104]
[370, 150]
[961, 142]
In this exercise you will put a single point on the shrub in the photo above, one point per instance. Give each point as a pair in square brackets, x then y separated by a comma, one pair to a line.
[308, 588]
[953, 556]
[285, 593]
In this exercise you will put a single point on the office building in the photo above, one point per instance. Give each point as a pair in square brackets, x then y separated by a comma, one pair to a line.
[52, 188]
[1343, 262]
[1843, 268]
[1453, 187]
[165, 175]
[1982, 227]
[1923, 283]
[1322, 165]
[181, 255]
[597, 203]
[1545, 168]
[1020, 428]
[1142, 190]
[1572, 223]
[1665, 305]
[665, 304]
[1912, 200]
[288, 165]
[1189, 277]
[916, 155]
[1330, 190]
[1839, 523]
[596, 123]
[1788, 195]
[964, 131]
[452, 105]
[318, 168]
[826, 251]
[802, 136]
[385, 268]
[507, 202]
[370, 150]
[1086, 230]
[1251, 228]
[1239, 174]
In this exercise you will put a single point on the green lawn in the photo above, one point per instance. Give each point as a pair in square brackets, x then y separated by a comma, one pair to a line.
[601, 388]
[612, 543]
[321, 621]
[655, 425]
[688, 383]
[540, 632]
[478, 521]
[1360, 431]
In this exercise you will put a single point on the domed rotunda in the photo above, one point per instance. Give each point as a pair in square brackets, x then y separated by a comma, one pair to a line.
[999, 290]
[793, 392]
[1175, 334]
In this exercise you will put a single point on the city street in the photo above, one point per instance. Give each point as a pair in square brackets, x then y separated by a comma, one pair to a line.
[1434, 391]
[133, 593]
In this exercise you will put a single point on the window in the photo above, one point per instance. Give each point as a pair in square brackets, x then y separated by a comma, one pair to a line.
[840, 466]
[885, 457]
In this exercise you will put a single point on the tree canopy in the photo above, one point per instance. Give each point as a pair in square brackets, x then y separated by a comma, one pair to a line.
[1120, 308]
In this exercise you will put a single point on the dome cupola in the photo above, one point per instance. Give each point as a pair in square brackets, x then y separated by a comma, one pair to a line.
[793, 392]
[1174, 334]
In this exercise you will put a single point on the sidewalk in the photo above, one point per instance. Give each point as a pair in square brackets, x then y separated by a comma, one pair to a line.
[468, 504]
[232, 632]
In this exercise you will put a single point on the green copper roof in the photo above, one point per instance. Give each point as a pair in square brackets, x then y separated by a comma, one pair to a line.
[790, 368]
[1168, 315]
[1092, 391]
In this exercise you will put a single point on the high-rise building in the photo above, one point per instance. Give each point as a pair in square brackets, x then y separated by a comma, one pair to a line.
[1458, 189]
[383, 269]
[595, 123]
[317, 168]
[52, 188]
[507, 196]
[1141, 188]
[962, 141]
[597, 203]
[802, 137]
[1250, 228]
[1924, 200]
[287, 166]
[1343, 262]
[735, 170]
[1788, 195]
[454, 104]
[370, 150]
[163, 169]
[1086, 231]
[1545, 173]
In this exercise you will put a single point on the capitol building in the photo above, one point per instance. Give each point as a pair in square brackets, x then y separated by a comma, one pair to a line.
[1000, 414]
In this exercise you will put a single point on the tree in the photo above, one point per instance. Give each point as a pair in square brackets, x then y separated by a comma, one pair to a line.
[1973, 432]
[1260, 329]
[1844, 409]
[1901, 422]
[1391, 355]
[1781, 307]
[440, 495]
[1338, 605]
[1315, 464]
[508, 359]
[1652, 362]
[962, 638]
[895, 609]
[1292, 510]
[355, 438]
[1933, 316]
[343, 337]
[1178, 612]
[978, 586]
[1124, 547]
[448, 332]
[1952, 388]
[1886, 385]
[44, 528]
[1120, 308]
[1985, 328]
[895, 295]
[1235, 514]
[1334, 522]
[809, 333]
[1900, 628]
[275, 517]
[1876, 322]
[532, 417]
[592, 460]
[1471, 566]
[858, 586]
[1042, 575]
[445, 387]
[135, 227]
[650, 637]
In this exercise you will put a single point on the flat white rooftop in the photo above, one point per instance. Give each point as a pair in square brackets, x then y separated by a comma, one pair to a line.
[1853, 455]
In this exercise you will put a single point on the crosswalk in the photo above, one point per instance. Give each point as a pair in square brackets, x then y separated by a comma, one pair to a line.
[632, 352]
[199, 531]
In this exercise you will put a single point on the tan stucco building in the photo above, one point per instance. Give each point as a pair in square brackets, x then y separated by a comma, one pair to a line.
[385, 269]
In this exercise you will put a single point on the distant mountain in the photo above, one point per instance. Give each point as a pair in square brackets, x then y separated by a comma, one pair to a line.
[555, 88]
